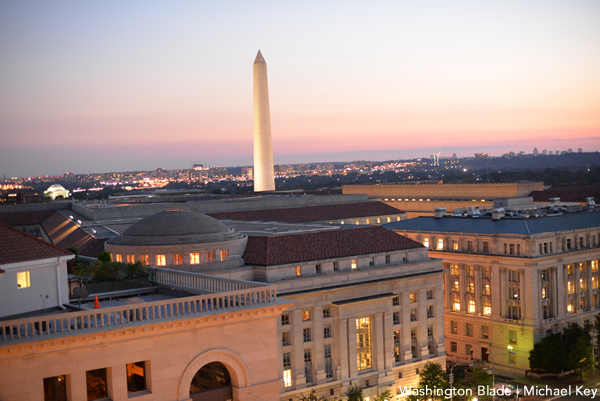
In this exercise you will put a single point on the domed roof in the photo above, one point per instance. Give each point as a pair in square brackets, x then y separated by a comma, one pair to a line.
[56, 187]
[175, 223]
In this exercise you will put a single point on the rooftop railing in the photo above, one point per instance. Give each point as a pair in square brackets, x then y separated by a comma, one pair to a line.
[201, 282]
[227, 295]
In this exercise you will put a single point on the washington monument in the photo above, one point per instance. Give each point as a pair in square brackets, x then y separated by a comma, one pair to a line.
[264, 175]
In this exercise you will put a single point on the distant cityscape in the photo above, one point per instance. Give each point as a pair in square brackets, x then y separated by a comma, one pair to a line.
[240, 178]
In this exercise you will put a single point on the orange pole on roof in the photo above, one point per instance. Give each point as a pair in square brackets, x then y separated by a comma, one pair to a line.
[96, 303]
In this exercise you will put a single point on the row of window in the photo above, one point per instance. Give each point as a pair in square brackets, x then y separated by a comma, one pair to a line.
[379, 220]
[161, 260]
[336, 266]
[55, 388]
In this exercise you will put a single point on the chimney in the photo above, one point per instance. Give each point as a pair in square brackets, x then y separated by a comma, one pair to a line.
[440, 212]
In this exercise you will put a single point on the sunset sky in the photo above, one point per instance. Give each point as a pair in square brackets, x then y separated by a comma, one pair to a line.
[94, 86]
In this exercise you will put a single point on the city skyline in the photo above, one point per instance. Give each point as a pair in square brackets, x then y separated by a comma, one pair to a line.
[108, 86]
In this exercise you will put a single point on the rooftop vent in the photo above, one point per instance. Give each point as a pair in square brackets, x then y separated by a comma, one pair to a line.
[590, 201]
[440, 212]
[554, 200]
[474, 211]
[498, 214]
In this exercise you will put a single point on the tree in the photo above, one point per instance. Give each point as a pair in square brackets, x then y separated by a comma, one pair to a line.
[311, 397]
[355, 393]
[480, 377]
[560, 352]
[385, 396]
[432, 377]
[104, 256]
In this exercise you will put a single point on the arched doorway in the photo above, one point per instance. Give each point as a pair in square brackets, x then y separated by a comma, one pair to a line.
[211, 383]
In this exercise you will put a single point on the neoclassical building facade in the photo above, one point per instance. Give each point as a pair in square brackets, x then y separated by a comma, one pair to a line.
[511, 281]
[264, 311]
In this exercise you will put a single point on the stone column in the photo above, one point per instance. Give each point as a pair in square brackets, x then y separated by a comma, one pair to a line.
[318, 356]
[422, 327]
[522, 301]
[343, 372]
[496, 289]
[588, 271]
[388, 340]
[576, 307]
[297, 349]
[463, 289]
[405, 327]
[352, 354]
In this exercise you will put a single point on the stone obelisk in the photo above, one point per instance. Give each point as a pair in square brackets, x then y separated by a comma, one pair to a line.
[264, 174]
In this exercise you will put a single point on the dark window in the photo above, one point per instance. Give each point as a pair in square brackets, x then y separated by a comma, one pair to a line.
[136, 377]
[96, 384]
[55, 388]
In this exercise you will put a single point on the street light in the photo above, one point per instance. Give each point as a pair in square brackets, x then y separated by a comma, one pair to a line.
[509, 348]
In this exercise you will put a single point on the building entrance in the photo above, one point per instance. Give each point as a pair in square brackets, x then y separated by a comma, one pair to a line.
[485, 354]
[211, 383]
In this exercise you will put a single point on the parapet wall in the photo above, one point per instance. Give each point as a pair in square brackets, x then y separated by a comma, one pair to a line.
[445, 191]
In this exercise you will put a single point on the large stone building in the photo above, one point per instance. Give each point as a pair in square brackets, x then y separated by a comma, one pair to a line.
[421, 199]
[511, 280]
[272, 310]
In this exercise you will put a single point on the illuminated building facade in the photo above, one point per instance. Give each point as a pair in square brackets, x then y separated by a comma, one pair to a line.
[510, 281]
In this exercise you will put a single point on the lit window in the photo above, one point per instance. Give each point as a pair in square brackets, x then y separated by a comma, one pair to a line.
[471, 307]
[353, 264]
[306, 315]
[594, 266]
[287, 370]
[397, 357]
[210, 257]
[363, 343]
[194, 258]
[570, 306]
[136, 377]
[487, 307]
[440, 244]
[413, 297]
[426, 242]
[453, 326]
[570, 287]
[119, 258]
[454, 246]
[23, 280]
[594, 282]
[298, 270]
[178, 259]
[145, 259]
[130, 259]
[456, 304]
[225, 255]
[161, 260]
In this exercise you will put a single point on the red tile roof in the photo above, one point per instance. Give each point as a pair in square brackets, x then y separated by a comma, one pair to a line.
[25, 219]
[17, 246]
[567, 194]
[312, 213]
[58, 227]
[93, 248]
[293, 248]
